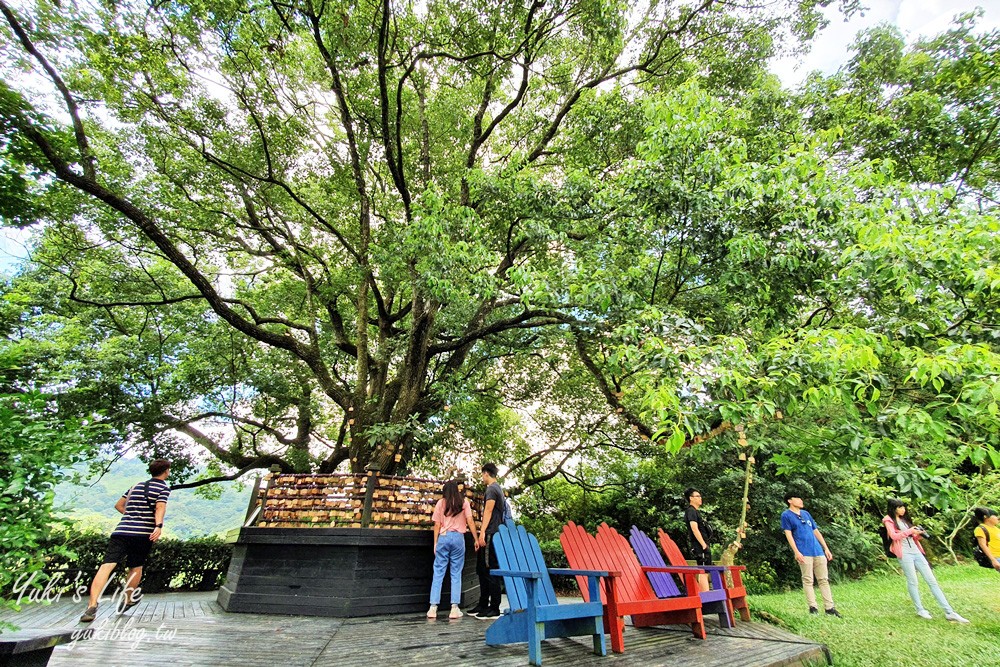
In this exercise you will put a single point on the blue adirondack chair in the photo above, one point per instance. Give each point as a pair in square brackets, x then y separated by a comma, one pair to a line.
[714, 601]
[534, 612]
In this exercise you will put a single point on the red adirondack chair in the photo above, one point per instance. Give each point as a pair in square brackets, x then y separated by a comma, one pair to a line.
[627, 591]
[736, 591]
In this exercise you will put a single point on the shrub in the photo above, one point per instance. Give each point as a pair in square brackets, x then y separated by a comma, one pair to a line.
[761, 579]
[553, 553]
[649, 494]
[36, 446]
[197, 564]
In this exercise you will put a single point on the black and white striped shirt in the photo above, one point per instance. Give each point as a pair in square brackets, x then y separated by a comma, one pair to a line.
[140, 517]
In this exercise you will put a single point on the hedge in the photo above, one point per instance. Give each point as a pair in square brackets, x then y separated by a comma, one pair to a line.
[197, 564]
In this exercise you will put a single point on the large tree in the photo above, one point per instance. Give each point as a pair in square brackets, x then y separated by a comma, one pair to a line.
[324, 223]
[866, 246]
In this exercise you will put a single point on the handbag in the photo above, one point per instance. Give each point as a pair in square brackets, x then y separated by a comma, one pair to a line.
[145, 494]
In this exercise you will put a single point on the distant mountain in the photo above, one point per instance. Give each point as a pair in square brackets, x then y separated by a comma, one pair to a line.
[91, 505]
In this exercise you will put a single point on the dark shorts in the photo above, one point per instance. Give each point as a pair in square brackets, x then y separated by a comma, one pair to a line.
[129, 549]
[703, 557]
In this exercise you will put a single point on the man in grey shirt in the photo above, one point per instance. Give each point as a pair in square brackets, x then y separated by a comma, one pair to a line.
[493, 511]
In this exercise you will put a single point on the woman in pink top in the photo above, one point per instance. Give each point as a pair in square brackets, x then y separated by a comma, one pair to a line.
[907, 548]
[452, 516]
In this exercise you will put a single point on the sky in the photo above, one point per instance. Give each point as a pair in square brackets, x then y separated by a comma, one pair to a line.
[915, 18]
[12, 249]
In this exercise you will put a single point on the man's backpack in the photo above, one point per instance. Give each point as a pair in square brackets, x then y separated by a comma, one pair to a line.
[508, 512]
[983, 559]
[886, 542]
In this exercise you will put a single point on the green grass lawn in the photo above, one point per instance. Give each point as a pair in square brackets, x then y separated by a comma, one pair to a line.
[880, 626]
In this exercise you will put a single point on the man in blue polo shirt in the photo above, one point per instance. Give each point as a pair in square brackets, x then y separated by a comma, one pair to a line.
[810, 551]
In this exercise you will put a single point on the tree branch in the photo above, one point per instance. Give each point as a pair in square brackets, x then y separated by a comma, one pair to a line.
[88, 161]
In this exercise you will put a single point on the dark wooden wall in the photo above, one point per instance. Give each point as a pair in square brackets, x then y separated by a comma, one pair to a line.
[337, 572]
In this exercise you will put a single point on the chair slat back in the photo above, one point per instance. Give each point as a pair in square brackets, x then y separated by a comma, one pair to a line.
[518, 550]
[582, 553]
[645, 549]
[671, 549]
[634, 584]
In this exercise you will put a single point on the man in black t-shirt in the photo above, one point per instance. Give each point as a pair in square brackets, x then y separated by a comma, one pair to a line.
[493, 511]
[699, 534]
[143, 508]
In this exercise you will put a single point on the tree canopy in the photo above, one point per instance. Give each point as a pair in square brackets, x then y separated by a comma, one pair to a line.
[387, 234]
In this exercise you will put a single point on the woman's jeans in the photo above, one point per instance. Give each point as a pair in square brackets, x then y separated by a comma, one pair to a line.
[450, 550]
[913, 563]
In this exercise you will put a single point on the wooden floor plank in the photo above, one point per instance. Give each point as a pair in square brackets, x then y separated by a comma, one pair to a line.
[194, 630]
[71, 614]
[42, 615]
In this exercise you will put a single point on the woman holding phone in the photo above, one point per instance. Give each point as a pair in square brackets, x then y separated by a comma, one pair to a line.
[907, 548]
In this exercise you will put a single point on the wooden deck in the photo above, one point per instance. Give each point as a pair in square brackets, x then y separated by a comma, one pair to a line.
[179, 629]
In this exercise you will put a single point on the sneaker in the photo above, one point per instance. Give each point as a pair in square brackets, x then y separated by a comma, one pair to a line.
[490, 613]
[832, 611]
[813, 610]
[89, 615]
[477, 610]
[955, 618]
[923, 613]
[433, 611]
[455, 612]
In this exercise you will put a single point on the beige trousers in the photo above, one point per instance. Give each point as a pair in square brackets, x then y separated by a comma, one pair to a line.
[815, 569]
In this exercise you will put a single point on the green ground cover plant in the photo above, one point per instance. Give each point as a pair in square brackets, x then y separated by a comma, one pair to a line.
[880, 628]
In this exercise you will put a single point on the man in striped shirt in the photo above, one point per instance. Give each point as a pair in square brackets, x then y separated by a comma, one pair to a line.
[143, 507]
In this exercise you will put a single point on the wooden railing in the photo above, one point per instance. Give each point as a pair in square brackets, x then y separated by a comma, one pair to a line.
[350, 501]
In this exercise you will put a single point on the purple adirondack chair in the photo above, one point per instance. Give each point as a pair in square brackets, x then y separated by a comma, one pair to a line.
[713, 601]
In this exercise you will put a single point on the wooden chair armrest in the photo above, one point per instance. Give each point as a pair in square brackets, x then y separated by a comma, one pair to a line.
[676, 569]
[582, 573]
[516, 573]
[688, 573]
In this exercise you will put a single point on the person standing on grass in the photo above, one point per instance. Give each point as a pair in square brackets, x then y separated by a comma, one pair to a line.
[907, 548]
[988, 535]
[699, 534]
[811, 552]
[143, 507]
[493, 511]
[452, 515]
